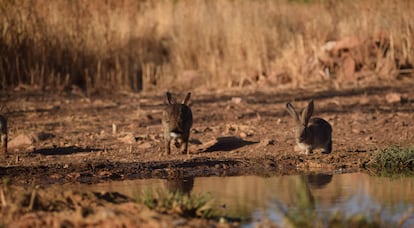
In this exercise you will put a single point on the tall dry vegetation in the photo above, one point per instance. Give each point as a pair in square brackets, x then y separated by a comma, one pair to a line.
[135, 45]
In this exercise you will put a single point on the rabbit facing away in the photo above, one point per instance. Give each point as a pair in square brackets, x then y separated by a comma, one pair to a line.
[311, 133]
[3, 135]
[177, 120]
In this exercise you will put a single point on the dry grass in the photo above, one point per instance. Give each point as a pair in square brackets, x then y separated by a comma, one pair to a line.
[139, 45]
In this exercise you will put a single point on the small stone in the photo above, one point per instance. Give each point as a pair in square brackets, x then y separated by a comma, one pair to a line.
[355, 130]
[236, 100]
[21, 140]
[393, 97]
[243, 135]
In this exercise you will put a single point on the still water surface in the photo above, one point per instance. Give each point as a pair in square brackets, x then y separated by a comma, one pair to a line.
[254, 197]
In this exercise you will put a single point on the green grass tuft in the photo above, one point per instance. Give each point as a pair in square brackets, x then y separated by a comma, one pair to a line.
[393, 157]
[186, 205]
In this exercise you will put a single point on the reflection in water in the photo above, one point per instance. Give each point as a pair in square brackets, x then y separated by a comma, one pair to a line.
[304, 202]
[253, 196]
[304, 197]
[182, 185]
[318, 180]
[306, 210]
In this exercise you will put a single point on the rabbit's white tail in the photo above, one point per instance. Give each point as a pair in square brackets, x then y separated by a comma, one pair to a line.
[175, 135]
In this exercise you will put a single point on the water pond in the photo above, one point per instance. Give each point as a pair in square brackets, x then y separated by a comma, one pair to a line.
[254, 198]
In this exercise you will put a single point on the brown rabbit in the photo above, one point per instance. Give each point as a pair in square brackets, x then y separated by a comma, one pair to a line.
[3, 135]
[311, 133]
[177, 120]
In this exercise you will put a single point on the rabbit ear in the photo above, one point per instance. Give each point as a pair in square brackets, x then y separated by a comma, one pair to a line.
[187, 98]
[307, 113]
[292, 112]
[170, 98]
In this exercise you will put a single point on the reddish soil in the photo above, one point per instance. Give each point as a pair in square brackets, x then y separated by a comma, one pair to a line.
[73, 138]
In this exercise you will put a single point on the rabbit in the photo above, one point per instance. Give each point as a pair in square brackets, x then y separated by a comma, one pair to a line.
[311, 133]
[177, 120]
[3, 135]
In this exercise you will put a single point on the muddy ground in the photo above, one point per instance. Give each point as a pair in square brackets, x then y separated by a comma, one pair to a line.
[68, 137]
[71, 138]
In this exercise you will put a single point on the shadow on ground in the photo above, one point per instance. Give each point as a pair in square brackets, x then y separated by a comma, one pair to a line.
[228, 143]
[64, 150]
